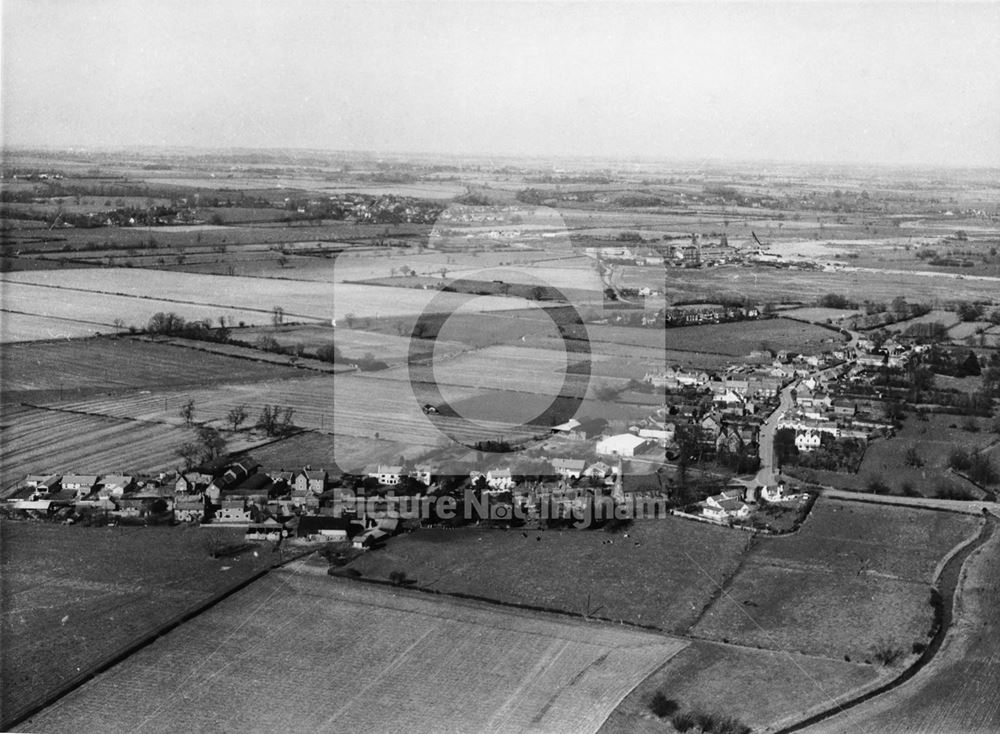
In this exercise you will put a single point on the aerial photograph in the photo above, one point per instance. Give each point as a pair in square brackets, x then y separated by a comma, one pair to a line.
[461, 366]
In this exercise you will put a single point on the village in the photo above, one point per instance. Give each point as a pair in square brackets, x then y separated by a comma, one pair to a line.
[713, 452]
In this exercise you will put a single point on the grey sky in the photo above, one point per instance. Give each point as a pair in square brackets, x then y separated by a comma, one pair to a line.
[895, 83]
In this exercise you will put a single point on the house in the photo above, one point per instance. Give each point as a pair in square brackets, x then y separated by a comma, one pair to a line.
[320, 527]
[725, 509]
[233, 515]
[192, 481]
[844, 407]
[599, 470]
[806, 441]
[80, 484]
[266, 530]
[569, 468]
[43, 485]
[310, 481]
[115, 485]
[622, 444]
[189, 509]
[387, 475]
[500, 479]
[425, 473]
[773, 493]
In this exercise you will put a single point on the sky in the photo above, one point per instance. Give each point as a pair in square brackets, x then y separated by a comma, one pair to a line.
[894, 83]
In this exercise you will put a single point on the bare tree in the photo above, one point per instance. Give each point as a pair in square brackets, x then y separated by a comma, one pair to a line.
[237, 416]
[187, 412]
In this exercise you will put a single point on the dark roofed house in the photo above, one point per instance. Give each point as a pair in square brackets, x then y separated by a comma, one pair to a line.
[311, 481]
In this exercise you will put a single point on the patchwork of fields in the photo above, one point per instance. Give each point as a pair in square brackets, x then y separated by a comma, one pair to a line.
[426, 664]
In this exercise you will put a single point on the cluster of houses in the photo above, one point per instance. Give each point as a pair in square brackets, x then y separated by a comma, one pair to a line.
[735, 504]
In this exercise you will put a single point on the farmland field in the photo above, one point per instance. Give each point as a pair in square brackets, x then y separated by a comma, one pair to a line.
[716, 677]
[105, 294]
[964, 674]
[121, 364]
[740, 338]
[662, 574]
[37, 440]
[934, 439]
[854, 575]
[418, 664]
[74, 597]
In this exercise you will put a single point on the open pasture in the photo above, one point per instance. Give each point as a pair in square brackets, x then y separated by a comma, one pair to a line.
[74, 597]
[662, 574]
[715, 677]
[738, 339]
[934, 440]
[964, 673]
[277, 650]
[853, 576]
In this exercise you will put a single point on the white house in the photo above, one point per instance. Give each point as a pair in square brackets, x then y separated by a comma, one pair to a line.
[387, 475]
[807, 440]
[600, 470]
[622, 444]
[725, 509]
[499, 479]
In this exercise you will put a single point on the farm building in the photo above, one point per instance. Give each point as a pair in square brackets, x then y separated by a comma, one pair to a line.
[319, 527]
[622, 444]
[568, 468]
[81, 484]
[369, 539]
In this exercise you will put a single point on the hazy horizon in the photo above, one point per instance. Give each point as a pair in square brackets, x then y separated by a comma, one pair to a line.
[845, 84]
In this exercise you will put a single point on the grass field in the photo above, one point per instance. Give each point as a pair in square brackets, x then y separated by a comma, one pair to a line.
[853, 576]
[953, 694]
[662, 574]
[740, 338]
[74, 597]
[934, 439]
[727, 679]
[334, 655]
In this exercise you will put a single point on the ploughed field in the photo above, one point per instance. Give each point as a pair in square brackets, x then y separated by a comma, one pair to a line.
[75, 597]
[335, 656]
